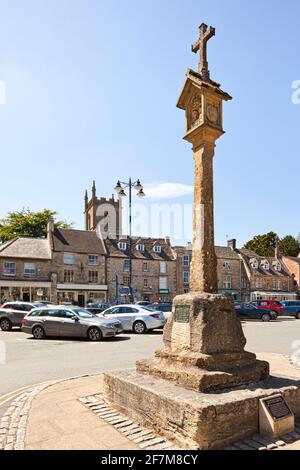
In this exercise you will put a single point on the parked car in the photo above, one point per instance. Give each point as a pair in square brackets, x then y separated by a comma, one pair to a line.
[273, 305]
[291, 308]
[12, 314]
[249, 311]
[69, 322]
[45, 303]
[97, 308]
[136, 318]
[143, 303]
[165, 307]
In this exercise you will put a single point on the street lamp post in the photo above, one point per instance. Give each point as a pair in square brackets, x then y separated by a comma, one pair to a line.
[120, 189]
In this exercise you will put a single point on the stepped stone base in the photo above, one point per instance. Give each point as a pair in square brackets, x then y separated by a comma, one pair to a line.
[190, 419]
[206, 373]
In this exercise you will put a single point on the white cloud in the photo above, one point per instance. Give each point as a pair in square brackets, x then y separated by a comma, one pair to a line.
[168, 190]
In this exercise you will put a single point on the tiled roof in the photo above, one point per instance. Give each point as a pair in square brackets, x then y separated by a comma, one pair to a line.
[293, 258]
[167, 253]
[77, 241]
[248, 255]
[30, 248]
[226, 252]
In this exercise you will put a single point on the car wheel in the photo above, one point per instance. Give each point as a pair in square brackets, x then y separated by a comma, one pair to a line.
[266, 317]
[298, 315]
[94, 334]
[5, 324]
[38, 332]
[139, 327]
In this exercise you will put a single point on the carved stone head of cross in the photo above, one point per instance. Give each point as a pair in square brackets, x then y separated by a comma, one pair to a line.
[201, 45]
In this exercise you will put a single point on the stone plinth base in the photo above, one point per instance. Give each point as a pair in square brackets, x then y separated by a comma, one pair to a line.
[208, 373]
[204, 346]
[190, 419]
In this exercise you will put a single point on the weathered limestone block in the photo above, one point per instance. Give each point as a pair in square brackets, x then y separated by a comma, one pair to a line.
[204, 351]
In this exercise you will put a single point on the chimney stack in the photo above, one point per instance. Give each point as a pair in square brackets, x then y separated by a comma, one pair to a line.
[50, 227]
[232, 244]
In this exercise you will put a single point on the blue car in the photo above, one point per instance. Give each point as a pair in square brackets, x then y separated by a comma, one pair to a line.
[291, 308]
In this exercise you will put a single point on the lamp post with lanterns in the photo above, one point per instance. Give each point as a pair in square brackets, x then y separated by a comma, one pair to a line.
[120, 189]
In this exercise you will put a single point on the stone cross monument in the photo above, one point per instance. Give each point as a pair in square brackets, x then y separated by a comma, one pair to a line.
[204, 341]
[201, 389]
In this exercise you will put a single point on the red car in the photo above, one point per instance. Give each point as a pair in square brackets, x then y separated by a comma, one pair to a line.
[273, 305]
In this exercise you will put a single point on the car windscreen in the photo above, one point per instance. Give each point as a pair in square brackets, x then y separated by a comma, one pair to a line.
[82, 313]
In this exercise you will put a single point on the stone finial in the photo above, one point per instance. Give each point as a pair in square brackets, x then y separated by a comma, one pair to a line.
[94, 189]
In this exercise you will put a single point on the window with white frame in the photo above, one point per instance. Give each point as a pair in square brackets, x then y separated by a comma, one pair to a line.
[9, 269]
[126, 265]
[69, 258]
[93, 277]
[146, 283]
[145, 266]
[265, 265]
[157, 248]
[226, 265]
[122, 246]
[227, 282]
[258, 283]
[186, 277]
[140, 247]
[186, 261]
[93, 260]
[29, 269]
[163, 267]
[68, 276]
[276, 284]
[163, 283]
[254, 263]
[277, 267]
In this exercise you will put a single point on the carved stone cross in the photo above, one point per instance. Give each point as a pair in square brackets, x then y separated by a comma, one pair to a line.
[201, 45]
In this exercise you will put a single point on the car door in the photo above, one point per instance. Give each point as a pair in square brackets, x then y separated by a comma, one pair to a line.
[50, 321]
[241, 311]
[18, 314]
[127, 317]
[68, 325]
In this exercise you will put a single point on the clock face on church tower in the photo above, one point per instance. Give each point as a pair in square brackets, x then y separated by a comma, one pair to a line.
[212, 113]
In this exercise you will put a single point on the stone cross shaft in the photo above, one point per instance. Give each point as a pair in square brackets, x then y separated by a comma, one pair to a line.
[201, 45]
[204, 260]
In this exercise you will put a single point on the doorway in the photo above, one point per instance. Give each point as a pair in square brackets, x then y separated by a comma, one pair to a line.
[81, 300]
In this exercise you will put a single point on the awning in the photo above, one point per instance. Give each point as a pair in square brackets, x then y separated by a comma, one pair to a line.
[81, 287]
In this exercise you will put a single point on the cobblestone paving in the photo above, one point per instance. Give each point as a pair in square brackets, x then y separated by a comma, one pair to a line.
[146, 439]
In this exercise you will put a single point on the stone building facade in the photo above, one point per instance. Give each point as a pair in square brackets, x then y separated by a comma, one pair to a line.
[79, 264]
[25, 270]
[232, 277]
[269, 277]
[153, 269]
[293, 266]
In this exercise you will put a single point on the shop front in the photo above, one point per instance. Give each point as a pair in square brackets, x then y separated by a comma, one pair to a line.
[264, 295]
[81, 294]
[25, 291]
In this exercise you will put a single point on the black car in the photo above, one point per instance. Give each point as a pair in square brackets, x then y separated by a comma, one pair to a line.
[248, 311]
[97, 308]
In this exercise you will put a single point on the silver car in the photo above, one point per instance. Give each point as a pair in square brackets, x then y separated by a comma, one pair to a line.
[12, 314]
[69, 322]
[135, 318]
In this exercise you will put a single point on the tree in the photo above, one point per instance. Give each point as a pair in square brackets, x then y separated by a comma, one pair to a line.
[289, 246]
[263, 245]
[26, 223]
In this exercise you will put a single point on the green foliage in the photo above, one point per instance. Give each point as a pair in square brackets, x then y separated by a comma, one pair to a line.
[264, 245]
[26, 223]
[289, 246]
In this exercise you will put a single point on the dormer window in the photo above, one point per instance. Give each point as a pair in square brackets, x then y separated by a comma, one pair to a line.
[140, 247]
[157, 248]
[277, 266]
[122, 246]
[254, 263]
[265, 265]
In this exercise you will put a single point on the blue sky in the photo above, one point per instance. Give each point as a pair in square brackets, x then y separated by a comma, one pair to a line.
[91, 91]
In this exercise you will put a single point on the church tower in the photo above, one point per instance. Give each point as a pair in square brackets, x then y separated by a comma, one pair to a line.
[104, 215]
